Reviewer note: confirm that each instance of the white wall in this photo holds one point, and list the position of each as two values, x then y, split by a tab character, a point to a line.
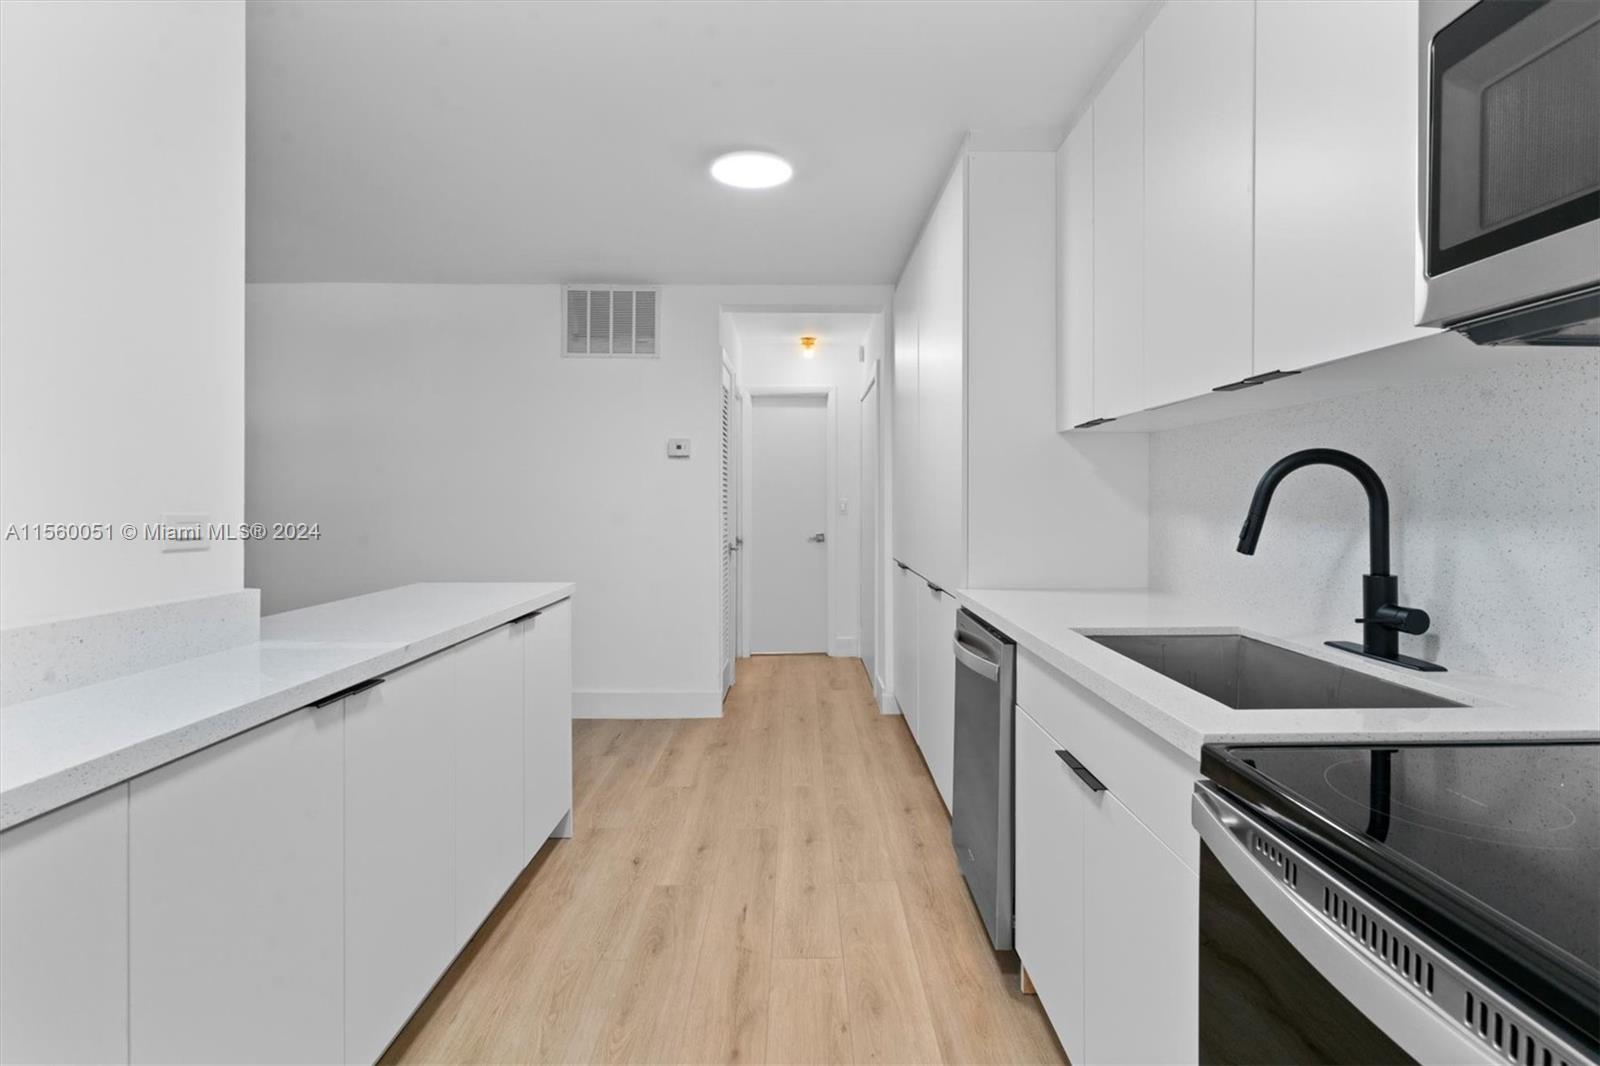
1494	485
436	433
837	364
121	296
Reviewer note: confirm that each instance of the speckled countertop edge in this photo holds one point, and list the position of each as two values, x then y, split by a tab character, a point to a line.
1052	626
56	783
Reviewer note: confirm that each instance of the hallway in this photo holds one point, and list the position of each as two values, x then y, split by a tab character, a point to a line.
774	885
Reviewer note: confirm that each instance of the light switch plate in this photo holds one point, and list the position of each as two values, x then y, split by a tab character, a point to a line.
183	533
677	447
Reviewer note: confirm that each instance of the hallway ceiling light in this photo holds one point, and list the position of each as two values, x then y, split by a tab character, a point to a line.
752	170
808	346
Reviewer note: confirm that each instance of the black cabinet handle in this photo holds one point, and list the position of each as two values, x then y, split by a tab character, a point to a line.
530	616
1094	783
371	682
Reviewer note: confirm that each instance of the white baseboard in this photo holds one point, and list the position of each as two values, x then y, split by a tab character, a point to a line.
845	647
887	704
647	705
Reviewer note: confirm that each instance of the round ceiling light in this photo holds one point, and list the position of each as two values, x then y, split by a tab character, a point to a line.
752	170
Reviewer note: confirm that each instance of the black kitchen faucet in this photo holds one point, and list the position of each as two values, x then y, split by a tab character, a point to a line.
1383	620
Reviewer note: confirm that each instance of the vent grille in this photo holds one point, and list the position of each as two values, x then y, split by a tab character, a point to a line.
610	320
1382	940
1508	1038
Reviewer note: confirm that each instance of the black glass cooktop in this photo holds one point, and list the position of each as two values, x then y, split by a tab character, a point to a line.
1495	848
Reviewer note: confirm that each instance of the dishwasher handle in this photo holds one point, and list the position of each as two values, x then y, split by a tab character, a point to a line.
987	669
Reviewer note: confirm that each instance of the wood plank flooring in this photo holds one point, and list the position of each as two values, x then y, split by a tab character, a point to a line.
776	885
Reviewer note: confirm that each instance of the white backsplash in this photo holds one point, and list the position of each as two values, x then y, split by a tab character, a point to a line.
1494	487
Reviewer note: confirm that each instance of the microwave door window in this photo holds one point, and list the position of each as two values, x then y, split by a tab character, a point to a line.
1515	127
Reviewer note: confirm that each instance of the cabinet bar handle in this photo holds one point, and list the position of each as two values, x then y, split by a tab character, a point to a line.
530	616
1094	783
371	682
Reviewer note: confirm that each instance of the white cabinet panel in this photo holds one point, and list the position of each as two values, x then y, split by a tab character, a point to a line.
547	722
236	909
940	500
1075	330
1335	210
903	445
399	851
1119	370
1049	880
64	934
936	686
908	588
1141	943
1198	164
485	714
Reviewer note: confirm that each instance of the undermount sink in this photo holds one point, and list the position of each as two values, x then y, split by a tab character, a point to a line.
1249	674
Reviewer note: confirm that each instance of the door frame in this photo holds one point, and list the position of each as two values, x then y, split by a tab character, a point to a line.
752	393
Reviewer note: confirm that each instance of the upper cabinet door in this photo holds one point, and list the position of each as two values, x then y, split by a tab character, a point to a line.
1336	148
1119	368
903	451
1075	331
1198	155
941	406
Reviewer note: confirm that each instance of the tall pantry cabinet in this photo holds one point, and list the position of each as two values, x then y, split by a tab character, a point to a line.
986	492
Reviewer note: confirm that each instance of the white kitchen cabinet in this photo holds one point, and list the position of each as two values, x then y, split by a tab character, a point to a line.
903	445
907	595
485	714
236	910
1119	285
399	889
1335	197
64	934
1075	329
1141	955
1049	880
1198	164
941	457
936	686
547	725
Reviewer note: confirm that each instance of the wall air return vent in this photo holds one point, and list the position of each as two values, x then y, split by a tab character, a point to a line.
602	321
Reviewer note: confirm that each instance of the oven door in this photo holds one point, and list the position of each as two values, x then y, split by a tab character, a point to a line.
1283	980
1509	174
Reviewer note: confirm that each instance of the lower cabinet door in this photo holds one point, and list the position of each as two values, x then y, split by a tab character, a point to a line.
936	686
399	891
907	587
64	934
1141	943
485	713
236	911
547	724
1049	828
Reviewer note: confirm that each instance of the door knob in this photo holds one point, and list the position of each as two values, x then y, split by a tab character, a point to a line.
817	538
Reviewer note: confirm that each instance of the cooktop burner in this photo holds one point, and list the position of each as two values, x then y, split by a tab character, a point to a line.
1515	827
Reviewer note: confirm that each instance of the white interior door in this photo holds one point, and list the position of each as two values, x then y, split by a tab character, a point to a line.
730	595
789	522
869	529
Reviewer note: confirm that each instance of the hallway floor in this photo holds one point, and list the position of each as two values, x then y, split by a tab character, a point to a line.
774	885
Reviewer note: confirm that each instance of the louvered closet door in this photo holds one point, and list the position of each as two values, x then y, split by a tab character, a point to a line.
727	532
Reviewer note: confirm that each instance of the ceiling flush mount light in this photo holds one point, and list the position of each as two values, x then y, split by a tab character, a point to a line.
752	170
808	346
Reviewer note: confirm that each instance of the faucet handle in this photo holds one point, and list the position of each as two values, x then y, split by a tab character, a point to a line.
1404	619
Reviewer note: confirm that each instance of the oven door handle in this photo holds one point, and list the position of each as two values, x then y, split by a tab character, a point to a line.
1419	1026
987	669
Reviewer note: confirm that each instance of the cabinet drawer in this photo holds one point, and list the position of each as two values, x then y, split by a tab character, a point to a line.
1150	777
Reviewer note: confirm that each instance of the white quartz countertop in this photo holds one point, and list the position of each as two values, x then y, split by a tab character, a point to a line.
61	748
1052	625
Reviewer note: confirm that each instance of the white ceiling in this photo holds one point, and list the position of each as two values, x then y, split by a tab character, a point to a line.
518	141
759	329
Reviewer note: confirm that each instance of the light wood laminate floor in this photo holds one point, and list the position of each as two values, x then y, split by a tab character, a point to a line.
775	885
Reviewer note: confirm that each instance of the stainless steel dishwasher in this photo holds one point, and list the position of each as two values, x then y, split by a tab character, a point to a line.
981	804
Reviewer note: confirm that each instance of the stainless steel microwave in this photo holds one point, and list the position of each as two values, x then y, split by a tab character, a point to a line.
1509	170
